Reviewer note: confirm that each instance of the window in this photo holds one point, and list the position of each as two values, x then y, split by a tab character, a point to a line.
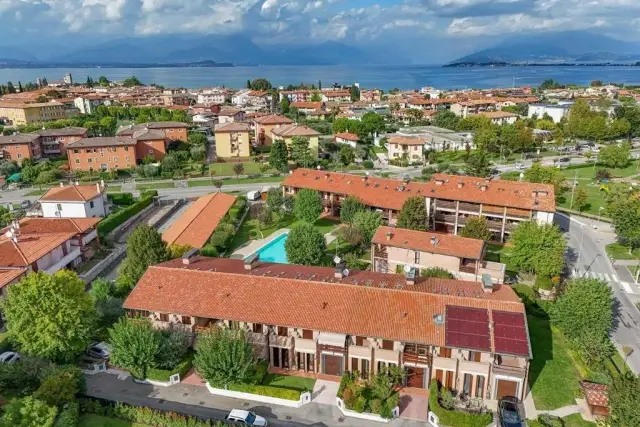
91	204
387	345
164	317
185	320
360	341
150	151
126	148
103	166
77	161
416	257
101	153
89	160
115	158
479	386
445	352
58	206
474	356
234	325
307	334
257	328
76	151
19	155
466	384
127	158
282	331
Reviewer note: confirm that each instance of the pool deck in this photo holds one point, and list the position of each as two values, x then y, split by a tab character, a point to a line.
253	245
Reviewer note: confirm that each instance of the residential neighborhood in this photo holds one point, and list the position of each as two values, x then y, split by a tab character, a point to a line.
333	255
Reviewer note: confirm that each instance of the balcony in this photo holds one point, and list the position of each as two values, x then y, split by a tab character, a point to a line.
468	268
495	225
518	213
73	254
450	219
441	204
326	202
445	363
305	345
469	207
380	253
278	341
362	351
480	368
509	366
387	355
416	358
170	326
256	338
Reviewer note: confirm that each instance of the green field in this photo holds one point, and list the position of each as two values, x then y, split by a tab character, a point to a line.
233	181
589	172
596	198
621	252
226	169
291	382
155	186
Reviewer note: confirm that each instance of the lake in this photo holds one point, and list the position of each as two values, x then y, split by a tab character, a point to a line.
369	76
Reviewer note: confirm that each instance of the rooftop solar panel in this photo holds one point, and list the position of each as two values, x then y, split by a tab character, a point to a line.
467	328
510	333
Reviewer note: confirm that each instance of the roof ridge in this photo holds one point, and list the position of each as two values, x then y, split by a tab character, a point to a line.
24	258
350	286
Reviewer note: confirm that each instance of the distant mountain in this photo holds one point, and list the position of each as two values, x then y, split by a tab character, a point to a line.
11	53
569	46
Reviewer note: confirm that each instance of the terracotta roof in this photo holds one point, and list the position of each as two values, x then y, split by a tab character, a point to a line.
102	141
294	130
8	275
259	93
348	136
228	112
68	131
165	125
403	140
445	244
72	193
596	394
234	127
304	297
253	114
197	224
392	193
273	119
307	105
21	138
497	114
30	248
56	225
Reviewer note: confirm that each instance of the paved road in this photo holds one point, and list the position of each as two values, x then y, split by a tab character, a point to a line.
197	401
594	262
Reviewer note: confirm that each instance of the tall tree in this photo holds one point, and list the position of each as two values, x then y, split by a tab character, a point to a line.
284	105
545	175
346	154
260	84
478	164
50	316
349	207
538	248
28	412
413	215
10	88
278	156
580	198
305	245
615	156
355	93
238	169
301	151
367	222
134	345
477	228
145	247
446	119
307	205
626	220
224	357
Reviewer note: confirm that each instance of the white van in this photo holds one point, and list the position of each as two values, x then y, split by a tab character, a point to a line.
253	195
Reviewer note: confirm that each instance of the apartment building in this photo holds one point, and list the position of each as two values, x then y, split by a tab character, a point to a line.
233	140
450	200
230	115
19	113
500	117
348	138
54	141
307	107
336	95
260	98
265	124
473	106
173	131
20	146
87	104
396	249
295	95
75	201
286	133
471	337
401	147
214	97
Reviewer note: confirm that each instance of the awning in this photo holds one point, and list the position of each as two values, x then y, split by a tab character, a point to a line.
328	338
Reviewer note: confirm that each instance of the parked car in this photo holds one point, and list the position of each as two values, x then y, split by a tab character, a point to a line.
9	357
246	418
99	350
25	204
509	413
520	165
253	196
595	150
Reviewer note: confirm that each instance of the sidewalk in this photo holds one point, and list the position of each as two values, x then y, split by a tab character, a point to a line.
197	401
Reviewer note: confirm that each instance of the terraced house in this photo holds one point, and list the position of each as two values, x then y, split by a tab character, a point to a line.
471	337
450	200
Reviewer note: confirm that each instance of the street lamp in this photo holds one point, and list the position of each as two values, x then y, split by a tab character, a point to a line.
599	212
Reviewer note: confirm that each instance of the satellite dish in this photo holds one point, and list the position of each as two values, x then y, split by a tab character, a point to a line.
407	268
345	272
337	259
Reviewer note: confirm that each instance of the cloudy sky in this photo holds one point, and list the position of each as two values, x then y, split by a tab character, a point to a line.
460	25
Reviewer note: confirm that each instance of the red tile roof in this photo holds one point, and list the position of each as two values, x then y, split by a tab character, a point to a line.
9	275
445	244
348	136
273	119
307	105
305	297
72	193
403	140
197	224
56	225
392	193
497	114
234	127
30	248
294	130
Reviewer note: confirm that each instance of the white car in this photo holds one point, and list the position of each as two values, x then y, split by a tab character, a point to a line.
99	350
246	417
595	150
9	357
520	165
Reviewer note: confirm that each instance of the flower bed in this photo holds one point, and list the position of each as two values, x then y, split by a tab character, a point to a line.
455	418
363	397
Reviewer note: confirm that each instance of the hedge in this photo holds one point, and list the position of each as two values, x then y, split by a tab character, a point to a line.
143	415
455	418
69	416
265	390
121	199
165	374
111	222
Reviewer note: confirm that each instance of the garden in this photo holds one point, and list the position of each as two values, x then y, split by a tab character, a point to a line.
221	240
447	408
124	207
376	395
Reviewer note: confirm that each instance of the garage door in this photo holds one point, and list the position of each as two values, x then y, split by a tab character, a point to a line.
415	377
332	364
507	388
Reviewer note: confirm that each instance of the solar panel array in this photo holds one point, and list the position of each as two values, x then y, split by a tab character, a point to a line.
467	328
510	333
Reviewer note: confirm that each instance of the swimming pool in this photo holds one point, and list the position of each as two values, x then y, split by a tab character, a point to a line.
274	250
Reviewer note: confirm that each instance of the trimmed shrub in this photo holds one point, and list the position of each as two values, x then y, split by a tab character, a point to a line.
265	390
368	164
165	374
361	402
455	418
210	251
438	272
111	222
544	283
550	420
121	199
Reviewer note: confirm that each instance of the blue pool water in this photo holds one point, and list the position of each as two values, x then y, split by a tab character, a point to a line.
274	250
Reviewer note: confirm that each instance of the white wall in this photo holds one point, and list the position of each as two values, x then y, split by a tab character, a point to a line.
75	209
556	113
544	217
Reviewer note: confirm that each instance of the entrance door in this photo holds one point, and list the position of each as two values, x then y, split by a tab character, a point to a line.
448	382
415	377
332	364
276	357
440	376
506	388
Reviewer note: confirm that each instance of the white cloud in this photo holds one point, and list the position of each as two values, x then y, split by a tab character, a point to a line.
507	24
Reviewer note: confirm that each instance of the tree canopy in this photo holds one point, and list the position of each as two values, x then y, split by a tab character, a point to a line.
224	357
300	151
305	245
413	215
614	156
145	247
367	222
50	316
307	205
476	228
478	164
626	220
279	156
134	345
349	207
623	400
538	248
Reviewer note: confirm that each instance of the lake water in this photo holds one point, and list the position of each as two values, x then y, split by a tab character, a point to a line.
383	77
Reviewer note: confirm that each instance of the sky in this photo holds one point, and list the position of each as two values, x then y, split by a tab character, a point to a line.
422	27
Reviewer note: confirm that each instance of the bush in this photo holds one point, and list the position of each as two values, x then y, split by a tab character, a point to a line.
550	420
265	390
111	222
210	251
386	411
367	164
360	404
375	405
544	283
61	387
438	272
182	368
599	377
455	418
261	370
121	199
69	417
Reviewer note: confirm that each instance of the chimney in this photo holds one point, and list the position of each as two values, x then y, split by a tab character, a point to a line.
439	181
251	261
340	270
487	283
98	187
483	187
434	240
189	256
460	184
410	276
389	235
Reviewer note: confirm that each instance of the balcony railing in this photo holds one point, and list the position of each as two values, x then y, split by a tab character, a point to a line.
380	253
495	225
468	268
441	204
415	358
256	338
73	254
469	207
278	341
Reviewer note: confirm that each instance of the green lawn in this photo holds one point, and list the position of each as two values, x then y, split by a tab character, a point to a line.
233	181
250	230
618	251
378	149
596	198
36	192
226	169
575	420
92	420
588	172
114	188
290	382
155	186
552	375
